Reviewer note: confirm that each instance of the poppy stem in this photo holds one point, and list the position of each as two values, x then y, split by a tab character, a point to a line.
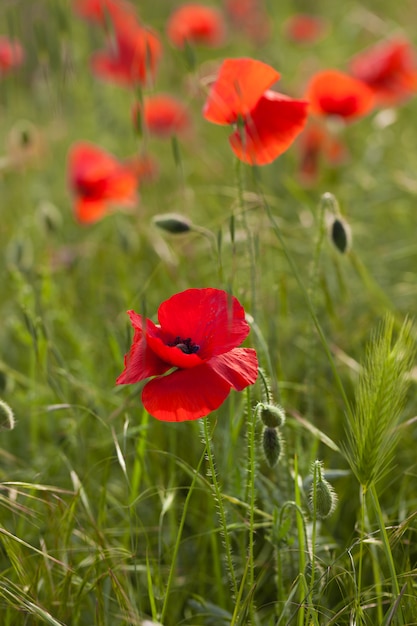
179	536
221	511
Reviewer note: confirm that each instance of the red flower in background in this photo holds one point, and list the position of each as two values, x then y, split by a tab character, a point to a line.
331	92
143	166
304	28
163	115
316	143
389	69
98	181
11	54
198	334
101	10
268	122
132	55
250	17
196	24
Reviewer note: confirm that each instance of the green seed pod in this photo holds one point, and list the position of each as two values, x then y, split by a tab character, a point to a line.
326	499
272	415
6	416
272	445
173	223
340	235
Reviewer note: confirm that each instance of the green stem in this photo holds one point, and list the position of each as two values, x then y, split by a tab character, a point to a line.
387	550
179	536
251	489
310	308
221	511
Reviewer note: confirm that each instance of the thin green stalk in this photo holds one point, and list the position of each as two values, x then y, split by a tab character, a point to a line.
179	536
252	415
302	546
221	511
310	308
387	550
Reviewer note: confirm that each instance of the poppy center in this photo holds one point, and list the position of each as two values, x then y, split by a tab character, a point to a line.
185	345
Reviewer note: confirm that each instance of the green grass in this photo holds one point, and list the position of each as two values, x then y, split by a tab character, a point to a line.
109	517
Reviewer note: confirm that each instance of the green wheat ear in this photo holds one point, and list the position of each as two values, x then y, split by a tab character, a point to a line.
371	434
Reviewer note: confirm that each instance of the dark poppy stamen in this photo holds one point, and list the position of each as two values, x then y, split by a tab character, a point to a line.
185	345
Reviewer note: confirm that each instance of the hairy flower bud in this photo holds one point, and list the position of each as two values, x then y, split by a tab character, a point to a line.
272	445
272	415
322	497
173	223
6	416
340	235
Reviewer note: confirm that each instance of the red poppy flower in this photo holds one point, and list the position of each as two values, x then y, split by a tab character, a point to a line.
163	115
389	69
11	54
132	55
268	122
315	143
98	180
331	92
143	166
305	28
196	24
101	10
250	18
198	336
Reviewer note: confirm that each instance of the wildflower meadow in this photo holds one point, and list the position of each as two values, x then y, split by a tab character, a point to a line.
208	411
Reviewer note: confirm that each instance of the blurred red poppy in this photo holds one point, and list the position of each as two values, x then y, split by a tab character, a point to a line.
331	92
249	16
101	10
196	24
304	28
389	69
99	181
267	122
11	54
143	166
132	55
198	336
316	143
163	115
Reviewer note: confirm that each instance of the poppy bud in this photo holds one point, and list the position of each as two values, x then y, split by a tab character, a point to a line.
50	218
323	498
173	223
6	416
340	235
272	415
272	445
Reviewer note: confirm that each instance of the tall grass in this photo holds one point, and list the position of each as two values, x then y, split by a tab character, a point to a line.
109	517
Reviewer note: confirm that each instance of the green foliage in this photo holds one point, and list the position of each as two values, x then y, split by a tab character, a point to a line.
372	425
108	517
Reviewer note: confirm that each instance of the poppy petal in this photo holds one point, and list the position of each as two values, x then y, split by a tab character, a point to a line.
211	318
239	85
163	115
133	56
239	367
185	394
331	92
389	68
171	350
195	23
140	362
270	129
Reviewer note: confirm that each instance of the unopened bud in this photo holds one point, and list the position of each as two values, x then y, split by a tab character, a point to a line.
272	445
272	415
326	499
6	416
173	223
340	235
